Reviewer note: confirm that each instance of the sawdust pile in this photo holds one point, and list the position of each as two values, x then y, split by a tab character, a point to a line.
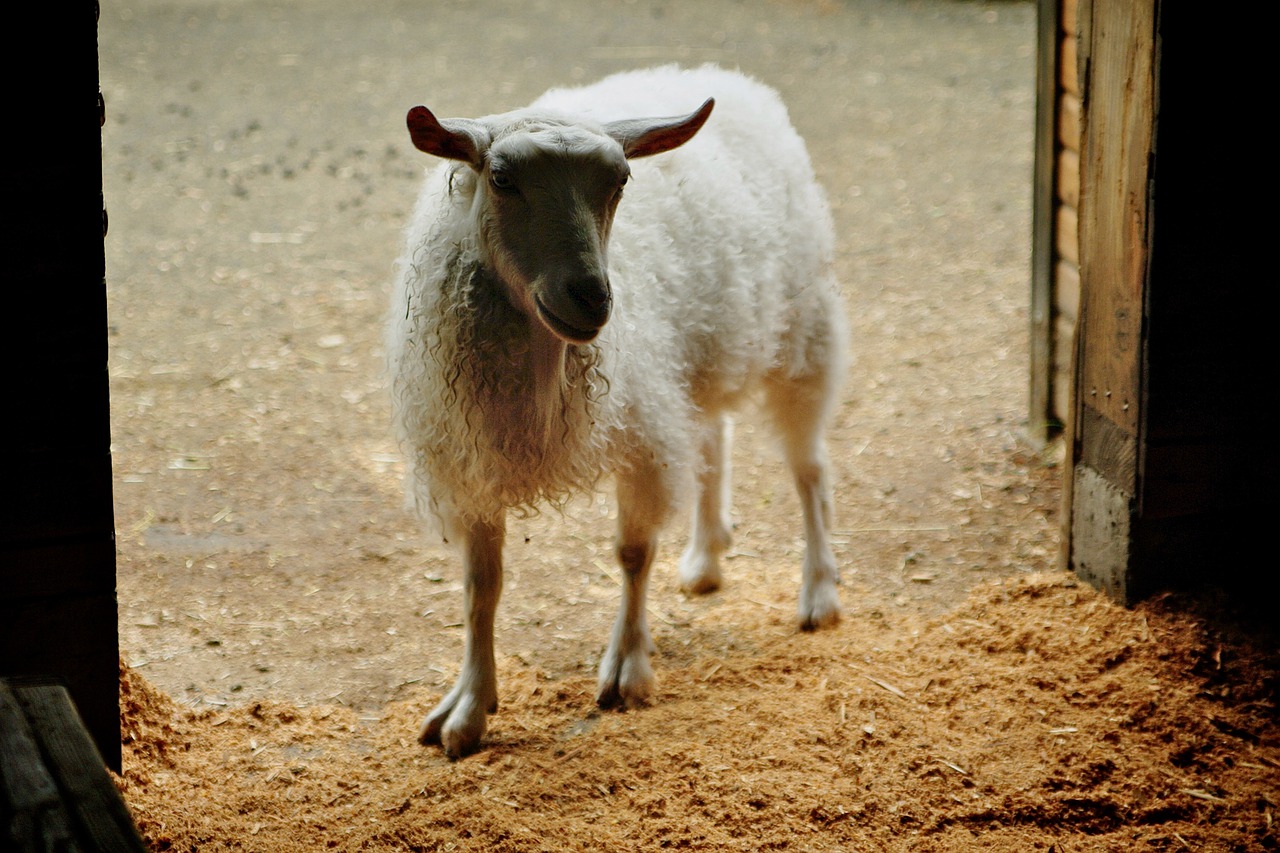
1036	716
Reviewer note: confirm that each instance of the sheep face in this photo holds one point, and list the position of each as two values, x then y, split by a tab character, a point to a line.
547	188
544	205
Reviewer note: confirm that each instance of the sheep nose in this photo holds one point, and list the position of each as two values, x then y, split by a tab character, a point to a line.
592	297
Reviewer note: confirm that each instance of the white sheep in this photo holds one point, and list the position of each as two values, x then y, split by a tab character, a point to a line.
543	335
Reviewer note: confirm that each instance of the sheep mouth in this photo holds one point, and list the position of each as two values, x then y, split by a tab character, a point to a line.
561	329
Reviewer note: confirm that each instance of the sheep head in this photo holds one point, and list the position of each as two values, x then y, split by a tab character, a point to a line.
547	188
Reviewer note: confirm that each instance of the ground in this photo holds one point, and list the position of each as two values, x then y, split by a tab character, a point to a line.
285	622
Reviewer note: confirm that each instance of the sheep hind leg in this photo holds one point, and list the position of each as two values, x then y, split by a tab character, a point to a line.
710	536
626	677
800	409
458	723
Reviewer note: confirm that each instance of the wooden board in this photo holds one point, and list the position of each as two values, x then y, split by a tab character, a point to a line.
1118	125
1043	422
55	792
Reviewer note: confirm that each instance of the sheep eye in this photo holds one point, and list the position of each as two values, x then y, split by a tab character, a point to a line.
501	181
622	182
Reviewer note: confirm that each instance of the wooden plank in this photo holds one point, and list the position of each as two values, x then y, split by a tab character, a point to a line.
1068	17
1066	242
1118	123
1063	383
1107	448
1064	328
1100	533
1040	397
1069	178
1069	121
1068	293
1067	542
1068	69
77	768
37	819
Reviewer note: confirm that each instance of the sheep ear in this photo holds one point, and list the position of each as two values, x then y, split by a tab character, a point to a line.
454	138
642	137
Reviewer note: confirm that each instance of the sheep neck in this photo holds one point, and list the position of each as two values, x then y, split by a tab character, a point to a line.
534	389
512	417
547	363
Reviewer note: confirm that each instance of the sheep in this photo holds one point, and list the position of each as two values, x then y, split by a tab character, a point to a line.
545	333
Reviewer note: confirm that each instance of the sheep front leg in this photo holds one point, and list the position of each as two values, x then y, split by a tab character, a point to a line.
626	678
459	721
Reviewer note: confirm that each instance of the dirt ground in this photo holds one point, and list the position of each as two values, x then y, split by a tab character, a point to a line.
285	622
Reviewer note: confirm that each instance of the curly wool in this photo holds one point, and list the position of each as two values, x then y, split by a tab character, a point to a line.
466	418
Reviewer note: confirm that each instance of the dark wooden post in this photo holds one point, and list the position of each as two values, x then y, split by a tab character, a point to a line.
57	545
1168	463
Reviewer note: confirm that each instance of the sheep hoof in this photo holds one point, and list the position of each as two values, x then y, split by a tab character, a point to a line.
628	684
699	573
457	724
819	607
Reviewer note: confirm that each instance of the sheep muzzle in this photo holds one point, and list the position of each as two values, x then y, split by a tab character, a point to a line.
577	310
